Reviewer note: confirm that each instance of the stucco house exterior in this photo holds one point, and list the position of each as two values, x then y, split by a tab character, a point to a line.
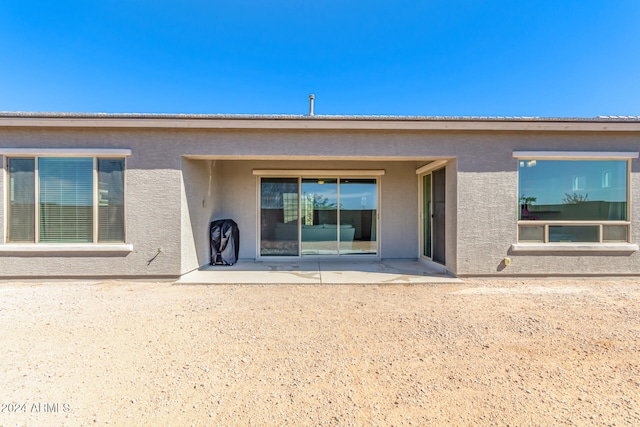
132	195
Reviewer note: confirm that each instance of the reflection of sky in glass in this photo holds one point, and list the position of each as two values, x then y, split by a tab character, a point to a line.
329	190
549	181
356	196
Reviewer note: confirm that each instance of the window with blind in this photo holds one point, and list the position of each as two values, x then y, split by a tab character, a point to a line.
66	200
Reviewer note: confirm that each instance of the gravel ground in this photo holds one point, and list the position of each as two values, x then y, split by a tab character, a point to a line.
486	352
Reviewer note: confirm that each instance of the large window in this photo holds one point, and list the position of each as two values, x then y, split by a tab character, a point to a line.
65	200
578	200
318	215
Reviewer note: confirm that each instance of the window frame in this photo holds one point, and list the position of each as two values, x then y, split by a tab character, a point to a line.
300	174
545	244
36	154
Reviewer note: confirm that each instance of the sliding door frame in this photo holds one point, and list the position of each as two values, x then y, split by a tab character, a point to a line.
318	174
430	169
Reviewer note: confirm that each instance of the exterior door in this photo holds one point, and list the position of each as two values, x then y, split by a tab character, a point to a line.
433	215
309	216
319	214
438	215
426	216
279	217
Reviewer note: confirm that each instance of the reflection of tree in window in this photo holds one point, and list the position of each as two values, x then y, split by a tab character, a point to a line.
575	191
575	198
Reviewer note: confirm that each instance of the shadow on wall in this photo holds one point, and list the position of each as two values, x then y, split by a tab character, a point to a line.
201	192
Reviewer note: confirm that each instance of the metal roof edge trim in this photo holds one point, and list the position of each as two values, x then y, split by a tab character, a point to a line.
230	121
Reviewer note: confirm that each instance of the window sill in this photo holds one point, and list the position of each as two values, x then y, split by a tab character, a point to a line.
65	248
575	247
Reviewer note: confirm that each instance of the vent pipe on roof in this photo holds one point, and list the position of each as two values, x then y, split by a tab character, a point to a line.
311	98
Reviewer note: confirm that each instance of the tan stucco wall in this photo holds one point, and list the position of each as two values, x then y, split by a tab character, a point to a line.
152	217
237	199
451	216
170	199
201	195
488	204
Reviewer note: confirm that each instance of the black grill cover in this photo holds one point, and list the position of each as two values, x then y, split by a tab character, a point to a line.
225	242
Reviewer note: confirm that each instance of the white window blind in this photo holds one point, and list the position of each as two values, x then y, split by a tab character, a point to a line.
21	200
65	199
56	199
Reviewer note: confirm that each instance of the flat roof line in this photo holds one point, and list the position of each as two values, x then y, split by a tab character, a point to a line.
319	122
77	115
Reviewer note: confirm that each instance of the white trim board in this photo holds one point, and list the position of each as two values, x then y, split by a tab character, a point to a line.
65	247
317	172
437	164
66	152
575	155
574	247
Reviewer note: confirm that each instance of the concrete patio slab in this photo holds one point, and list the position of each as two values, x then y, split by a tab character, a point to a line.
319	272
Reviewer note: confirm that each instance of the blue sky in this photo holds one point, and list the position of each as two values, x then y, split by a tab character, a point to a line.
550	58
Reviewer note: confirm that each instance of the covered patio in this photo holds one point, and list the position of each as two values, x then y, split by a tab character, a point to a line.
320	272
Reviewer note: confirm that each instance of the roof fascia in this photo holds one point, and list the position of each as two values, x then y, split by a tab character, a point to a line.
312	124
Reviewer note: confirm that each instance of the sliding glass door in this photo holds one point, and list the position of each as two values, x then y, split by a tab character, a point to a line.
433	215
427	213
279	217
318	216
358	216
319	206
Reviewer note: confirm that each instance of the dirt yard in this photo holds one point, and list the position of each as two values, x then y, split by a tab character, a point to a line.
486	352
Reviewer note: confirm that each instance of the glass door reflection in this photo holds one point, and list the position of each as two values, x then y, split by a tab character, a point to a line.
319	216
358	216
279	217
